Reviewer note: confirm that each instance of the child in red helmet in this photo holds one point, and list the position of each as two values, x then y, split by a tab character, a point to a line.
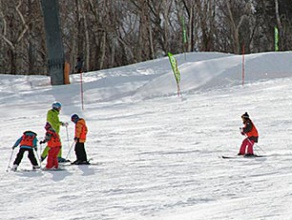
249	130
54	144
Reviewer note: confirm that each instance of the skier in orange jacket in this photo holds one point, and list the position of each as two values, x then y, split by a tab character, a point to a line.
80	138
249	130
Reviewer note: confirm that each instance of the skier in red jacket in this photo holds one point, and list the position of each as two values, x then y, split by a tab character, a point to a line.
249	130
54	144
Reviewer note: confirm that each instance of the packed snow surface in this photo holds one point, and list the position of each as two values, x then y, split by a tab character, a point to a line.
158	153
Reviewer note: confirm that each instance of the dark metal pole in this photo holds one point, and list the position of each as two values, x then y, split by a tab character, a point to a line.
54	41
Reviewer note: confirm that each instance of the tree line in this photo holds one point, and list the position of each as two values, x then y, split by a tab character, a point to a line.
112	33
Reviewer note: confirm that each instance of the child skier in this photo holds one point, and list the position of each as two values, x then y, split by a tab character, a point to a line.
80	138
54	144
249	130
27	142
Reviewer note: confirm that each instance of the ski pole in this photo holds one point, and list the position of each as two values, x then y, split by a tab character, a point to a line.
40	162
10	160
67	136
70	150
260	148
254	143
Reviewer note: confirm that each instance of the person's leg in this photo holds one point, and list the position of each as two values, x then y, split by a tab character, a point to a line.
60	153
50	159
56	151
78	151
82	152
45	153
32	158
19	156
243	146
250	146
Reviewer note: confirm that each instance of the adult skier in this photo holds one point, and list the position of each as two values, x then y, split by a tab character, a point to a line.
250	132
53	119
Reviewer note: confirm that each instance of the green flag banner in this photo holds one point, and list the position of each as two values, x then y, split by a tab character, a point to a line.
175	70
184	31
276	39
174	67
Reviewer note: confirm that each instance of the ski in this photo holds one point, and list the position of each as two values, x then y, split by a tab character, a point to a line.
85	164
90	164
25	170
241	156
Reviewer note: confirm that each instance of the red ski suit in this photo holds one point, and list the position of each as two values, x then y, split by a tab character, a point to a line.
251	132
54	144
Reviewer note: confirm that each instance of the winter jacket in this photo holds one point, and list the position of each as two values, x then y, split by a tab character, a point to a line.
52	138
28	140
80	130
53	119
250	130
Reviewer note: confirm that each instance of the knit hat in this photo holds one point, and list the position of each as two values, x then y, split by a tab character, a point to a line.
245	115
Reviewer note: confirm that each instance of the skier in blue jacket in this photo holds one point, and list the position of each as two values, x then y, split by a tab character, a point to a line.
27	142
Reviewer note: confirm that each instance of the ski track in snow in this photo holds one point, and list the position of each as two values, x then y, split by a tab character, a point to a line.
159	157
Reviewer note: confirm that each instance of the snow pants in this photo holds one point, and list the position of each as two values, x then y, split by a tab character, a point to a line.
46	151
53	158
80	152
31	156
246	143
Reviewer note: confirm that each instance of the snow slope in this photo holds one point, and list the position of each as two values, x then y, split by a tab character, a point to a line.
158	153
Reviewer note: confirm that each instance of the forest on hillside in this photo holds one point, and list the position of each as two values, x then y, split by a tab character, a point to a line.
111	33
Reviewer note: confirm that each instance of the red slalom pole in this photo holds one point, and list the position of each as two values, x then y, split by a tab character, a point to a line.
81	88
243	64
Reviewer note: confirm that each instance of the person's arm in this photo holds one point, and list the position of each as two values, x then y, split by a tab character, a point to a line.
247	128
17	143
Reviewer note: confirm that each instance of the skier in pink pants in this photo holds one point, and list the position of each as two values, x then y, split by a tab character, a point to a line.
249	130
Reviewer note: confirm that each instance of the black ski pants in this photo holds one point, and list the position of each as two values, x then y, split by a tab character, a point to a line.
31	156
80	152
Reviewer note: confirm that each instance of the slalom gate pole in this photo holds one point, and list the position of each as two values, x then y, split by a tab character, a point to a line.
70	150
9	160
81	91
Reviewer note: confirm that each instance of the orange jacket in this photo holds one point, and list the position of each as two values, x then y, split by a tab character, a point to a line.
250	130
27	140
81	130
53	139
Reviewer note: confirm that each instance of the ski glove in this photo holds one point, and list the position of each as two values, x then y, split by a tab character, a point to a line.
13	147
76	139
65	124
241	131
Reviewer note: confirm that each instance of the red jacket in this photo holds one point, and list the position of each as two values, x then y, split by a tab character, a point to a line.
250	130
53	139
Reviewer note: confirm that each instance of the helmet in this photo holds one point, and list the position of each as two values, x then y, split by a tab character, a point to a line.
74	118
56	105
48	126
